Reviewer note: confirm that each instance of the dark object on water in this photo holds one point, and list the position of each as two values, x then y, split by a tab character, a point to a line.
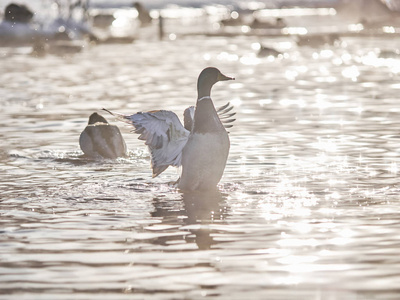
394	54
317	40
267	51
116	40
257	24
17	13
103	20
235	19
144	15
160	27
102	140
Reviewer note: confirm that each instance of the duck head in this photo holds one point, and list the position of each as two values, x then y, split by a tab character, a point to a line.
96	118
207	78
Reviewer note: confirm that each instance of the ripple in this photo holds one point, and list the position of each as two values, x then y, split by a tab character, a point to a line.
307	208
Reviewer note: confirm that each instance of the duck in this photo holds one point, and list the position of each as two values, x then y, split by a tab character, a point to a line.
17	28
200	146
17	13
101	140
265	51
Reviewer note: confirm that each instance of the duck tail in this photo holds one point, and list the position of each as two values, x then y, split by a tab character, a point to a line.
120	117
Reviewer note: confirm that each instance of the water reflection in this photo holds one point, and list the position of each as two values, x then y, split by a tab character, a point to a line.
194	208
204	206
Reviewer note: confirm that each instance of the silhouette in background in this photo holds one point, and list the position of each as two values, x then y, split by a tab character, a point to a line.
268	51
17	13
160	27
144	16
257	24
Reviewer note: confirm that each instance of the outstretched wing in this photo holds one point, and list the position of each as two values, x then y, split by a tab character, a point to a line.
163	133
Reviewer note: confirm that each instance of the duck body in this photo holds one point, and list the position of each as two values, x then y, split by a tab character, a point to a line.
101	140
206	151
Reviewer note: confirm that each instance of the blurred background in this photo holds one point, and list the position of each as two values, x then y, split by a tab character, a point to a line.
122	21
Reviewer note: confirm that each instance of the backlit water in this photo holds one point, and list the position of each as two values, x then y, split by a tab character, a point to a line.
308	206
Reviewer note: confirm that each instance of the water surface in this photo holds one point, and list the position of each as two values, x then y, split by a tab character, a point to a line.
307	208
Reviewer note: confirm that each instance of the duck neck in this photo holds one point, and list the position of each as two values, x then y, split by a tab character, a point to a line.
203	88
206	119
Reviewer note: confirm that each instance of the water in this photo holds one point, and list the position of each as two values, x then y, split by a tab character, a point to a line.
308	205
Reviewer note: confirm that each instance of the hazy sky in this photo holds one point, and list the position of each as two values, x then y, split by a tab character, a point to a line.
39	4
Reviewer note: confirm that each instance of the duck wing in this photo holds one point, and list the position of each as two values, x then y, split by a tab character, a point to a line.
188	117
223	114
162	132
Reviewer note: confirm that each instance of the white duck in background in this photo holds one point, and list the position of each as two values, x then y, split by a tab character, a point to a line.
201	146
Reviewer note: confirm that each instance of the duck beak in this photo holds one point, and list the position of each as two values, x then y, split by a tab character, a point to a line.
222	77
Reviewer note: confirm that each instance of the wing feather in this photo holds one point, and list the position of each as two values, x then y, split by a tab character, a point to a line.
224	115
163	133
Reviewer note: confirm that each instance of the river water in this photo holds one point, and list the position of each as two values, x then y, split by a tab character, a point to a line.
308	205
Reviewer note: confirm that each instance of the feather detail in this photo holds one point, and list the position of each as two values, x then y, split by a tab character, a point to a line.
120	117
162	132
224	115
225	108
